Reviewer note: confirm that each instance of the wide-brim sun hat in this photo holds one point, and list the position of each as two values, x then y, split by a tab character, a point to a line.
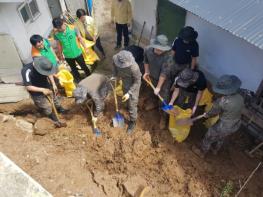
161	43
227	85
188	34
124	59
44	66
186	78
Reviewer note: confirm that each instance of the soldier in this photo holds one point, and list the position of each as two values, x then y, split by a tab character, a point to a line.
96	86
128	70
229	108
157	65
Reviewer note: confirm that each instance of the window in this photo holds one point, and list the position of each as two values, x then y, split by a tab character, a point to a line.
29	11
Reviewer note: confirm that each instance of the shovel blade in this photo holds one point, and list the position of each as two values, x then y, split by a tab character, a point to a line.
118	121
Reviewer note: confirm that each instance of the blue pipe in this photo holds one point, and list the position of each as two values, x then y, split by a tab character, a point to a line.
89	5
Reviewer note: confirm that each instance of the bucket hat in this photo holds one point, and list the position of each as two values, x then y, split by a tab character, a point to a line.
227	84
44	66
124	59
188	33
187	77
161	43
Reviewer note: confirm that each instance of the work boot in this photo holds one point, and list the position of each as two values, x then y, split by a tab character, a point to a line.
162	123
57	123
131	126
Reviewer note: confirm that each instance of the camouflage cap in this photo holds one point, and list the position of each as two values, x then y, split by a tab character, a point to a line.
124	59
227	84
187	77
161	43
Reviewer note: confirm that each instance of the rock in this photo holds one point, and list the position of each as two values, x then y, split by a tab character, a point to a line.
108	184
5	118
43	126
133	184
24	125
30	118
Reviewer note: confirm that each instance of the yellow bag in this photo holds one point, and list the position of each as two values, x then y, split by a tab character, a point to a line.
179	132
210	121
66	81
206	98
91	57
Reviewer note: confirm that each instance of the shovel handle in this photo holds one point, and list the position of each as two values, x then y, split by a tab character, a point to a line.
115	94
53	106
152	86
91	113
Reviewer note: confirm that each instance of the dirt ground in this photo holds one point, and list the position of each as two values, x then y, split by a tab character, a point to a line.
73	162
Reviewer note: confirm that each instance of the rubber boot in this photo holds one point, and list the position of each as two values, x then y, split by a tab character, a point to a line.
131	126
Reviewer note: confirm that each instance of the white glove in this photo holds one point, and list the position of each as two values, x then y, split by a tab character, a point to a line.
156	91
113	78
94	119
194	109
125	97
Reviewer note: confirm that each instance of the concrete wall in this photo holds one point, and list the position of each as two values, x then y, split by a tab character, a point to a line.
224	53
144	10
21	32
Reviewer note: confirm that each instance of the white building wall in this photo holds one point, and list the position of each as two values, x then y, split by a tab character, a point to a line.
144	10
223	53
21	32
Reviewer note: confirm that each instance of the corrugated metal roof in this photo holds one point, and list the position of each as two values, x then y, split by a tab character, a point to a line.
242	18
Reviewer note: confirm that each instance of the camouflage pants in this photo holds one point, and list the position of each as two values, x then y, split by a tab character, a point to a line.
133	107
43	104
217	133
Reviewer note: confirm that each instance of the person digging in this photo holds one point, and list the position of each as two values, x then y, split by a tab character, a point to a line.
39	82
229	107
95	87
128	71
158	61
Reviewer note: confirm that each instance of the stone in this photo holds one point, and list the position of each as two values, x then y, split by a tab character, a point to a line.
43	126
5	118
24	125
133	184
30	118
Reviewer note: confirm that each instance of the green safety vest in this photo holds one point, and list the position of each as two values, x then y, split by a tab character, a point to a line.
68	40
48	53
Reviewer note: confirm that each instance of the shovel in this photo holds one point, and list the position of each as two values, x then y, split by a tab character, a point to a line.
118	119
165	106
188	121
95	129
59	124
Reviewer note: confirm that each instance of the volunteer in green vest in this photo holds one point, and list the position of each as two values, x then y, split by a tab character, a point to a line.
42	47
68	39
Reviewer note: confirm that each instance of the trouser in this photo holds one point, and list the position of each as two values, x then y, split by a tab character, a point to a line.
122	29
217	133
43	104
81	62
99	46
133	108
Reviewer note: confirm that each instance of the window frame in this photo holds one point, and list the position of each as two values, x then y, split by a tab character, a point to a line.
26	5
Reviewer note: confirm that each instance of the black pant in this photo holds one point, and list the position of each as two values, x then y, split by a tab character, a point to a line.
99	46
122	29
81	62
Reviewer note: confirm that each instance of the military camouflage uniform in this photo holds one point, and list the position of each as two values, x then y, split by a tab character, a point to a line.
96	86
229	110
44	105
131	79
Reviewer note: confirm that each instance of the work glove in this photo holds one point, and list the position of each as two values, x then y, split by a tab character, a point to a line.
156	91
94	119
125	97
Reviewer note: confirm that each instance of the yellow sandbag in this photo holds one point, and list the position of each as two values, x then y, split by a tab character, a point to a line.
210	121
118	89
66	81
179	132
206	98
90	57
